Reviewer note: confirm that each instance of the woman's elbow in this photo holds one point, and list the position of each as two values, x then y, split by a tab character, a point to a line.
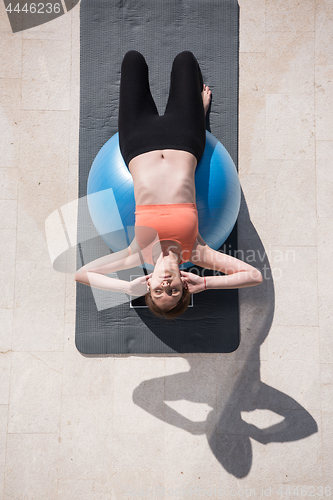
256	276
80	276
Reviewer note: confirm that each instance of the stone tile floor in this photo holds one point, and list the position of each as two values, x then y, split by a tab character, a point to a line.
77	427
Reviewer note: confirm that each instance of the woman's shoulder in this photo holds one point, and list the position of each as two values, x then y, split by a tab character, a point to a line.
198	249
134	246
205	256
199	243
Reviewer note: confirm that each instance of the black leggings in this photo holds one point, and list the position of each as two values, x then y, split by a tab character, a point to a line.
183	125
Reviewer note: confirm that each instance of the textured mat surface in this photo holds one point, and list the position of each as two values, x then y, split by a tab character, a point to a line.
106	322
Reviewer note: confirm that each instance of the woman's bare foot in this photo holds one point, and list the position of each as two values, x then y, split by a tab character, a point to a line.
206	97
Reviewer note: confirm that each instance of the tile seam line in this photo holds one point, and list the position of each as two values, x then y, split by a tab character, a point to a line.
32	433
15	269
62	390
317	254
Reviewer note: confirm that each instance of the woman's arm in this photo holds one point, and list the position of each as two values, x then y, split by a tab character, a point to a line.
238	273
93	274
102	282
137	287
239	279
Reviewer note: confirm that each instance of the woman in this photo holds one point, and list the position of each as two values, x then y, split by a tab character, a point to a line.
162	153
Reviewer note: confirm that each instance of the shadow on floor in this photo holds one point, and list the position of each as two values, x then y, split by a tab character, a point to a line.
239	387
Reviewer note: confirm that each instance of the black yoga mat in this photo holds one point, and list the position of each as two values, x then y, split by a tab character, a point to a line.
106	322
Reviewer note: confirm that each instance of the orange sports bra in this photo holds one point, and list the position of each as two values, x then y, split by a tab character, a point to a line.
176	222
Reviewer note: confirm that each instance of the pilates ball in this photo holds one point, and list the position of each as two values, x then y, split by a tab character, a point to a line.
111	200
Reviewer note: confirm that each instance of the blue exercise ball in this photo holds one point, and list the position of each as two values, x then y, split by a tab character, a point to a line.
111	200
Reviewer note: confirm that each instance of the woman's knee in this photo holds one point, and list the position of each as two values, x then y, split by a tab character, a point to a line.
184	57
186	61
186	53
133	57
185	66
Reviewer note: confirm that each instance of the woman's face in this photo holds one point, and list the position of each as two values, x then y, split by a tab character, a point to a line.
166	285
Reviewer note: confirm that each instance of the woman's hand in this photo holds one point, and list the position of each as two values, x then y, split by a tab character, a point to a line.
139	286
194	282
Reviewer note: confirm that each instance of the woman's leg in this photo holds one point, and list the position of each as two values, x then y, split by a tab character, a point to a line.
186	85
185	107
135	100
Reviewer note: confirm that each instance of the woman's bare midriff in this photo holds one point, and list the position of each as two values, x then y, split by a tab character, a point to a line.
163	176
